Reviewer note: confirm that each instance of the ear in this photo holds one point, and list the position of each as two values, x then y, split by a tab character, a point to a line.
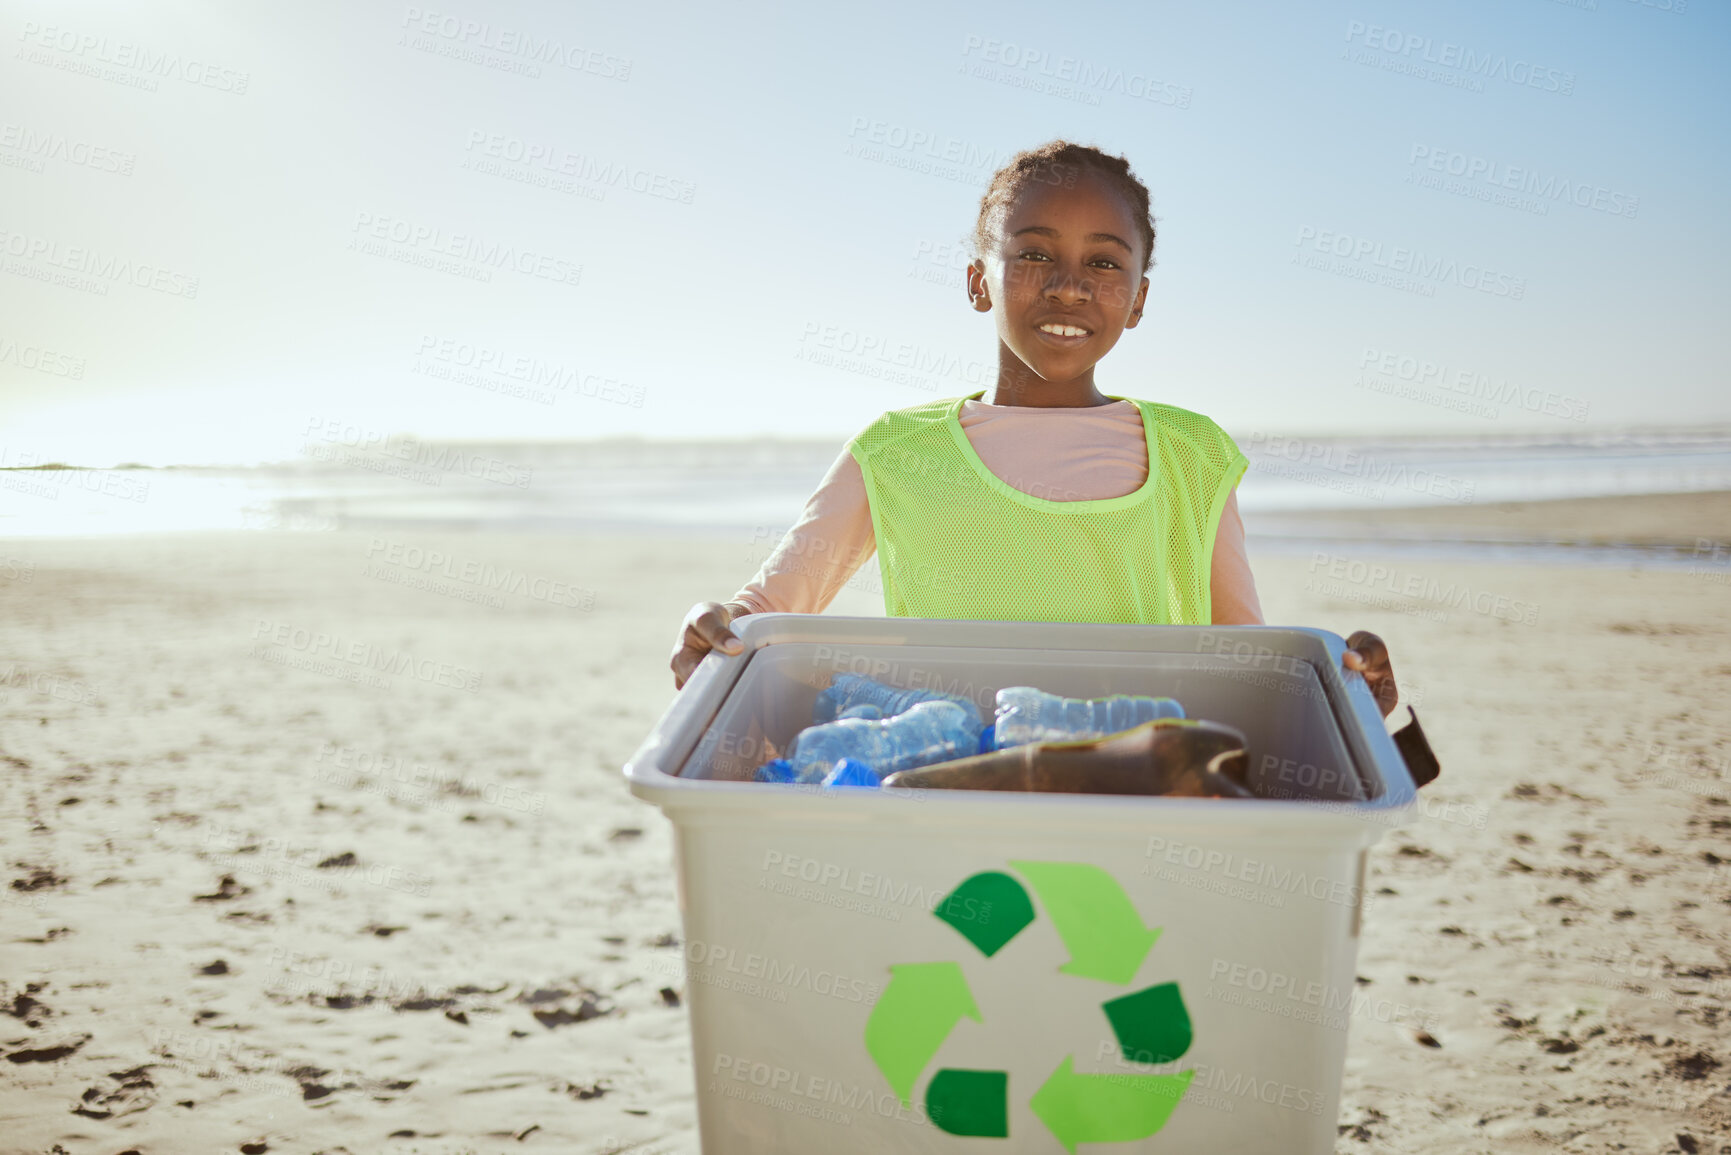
1136	306
978	295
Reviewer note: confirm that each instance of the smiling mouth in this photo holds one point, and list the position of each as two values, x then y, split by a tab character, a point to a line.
1064	331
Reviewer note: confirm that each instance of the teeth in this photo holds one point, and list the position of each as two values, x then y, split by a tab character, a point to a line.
1063	330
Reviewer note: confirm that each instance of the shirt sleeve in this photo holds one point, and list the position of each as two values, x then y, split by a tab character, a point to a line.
1231	586
823	550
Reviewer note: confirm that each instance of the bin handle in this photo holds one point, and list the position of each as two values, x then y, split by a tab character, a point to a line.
1363	705
701	696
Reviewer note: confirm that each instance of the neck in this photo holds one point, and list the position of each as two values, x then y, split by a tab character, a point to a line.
1019	385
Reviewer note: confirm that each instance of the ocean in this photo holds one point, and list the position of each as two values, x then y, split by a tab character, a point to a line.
724	489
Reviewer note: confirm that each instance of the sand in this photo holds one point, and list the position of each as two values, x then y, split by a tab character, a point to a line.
253	906
1690	523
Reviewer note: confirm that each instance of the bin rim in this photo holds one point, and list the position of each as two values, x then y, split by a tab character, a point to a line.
696	704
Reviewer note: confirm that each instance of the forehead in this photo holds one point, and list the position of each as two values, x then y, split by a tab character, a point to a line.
1089	203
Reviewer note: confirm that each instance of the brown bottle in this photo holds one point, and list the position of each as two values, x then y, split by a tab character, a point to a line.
1172	756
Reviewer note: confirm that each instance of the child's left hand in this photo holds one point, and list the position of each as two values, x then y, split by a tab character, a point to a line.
1367	655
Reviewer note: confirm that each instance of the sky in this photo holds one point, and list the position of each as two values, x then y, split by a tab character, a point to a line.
224	228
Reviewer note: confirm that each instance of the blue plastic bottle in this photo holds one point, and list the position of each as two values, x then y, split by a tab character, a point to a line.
927	732
776	770
849	772
1026	714
846	693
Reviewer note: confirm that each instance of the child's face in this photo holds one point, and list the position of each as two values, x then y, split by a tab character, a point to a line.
1068	259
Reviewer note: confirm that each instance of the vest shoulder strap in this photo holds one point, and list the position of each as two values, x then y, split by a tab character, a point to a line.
1200	434
897	424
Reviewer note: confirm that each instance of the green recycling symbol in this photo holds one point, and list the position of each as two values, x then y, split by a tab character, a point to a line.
1106	939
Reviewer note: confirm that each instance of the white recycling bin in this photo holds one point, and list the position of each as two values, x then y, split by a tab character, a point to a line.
967	971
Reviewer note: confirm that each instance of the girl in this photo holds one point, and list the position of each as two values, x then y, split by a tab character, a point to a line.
1046	500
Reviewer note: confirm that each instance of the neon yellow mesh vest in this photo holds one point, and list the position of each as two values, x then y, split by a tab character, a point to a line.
955	541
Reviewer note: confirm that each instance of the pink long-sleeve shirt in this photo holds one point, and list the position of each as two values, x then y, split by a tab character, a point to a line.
1059	454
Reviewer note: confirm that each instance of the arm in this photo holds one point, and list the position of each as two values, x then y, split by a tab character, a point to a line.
1231	586
1369	656
813	561
824	549
1232	590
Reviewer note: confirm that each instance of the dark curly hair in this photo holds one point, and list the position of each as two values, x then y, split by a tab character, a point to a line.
1059	162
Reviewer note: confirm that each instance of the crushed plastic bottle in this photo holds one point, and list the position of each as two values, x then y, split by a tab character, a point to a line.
846	693
776	770
927	732
1026	714
851	772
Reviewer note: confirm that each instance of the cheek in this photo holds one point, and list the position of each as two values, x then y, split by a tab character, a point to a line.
1023	281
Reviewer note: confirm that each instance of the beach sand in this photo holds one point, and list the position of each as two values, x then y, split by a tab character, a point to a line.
1687	522
251	905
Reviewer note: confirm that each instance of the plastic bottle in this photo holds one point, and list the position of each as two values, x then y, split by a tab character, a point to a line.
926	732
849	772
776	770
846	693
1026	714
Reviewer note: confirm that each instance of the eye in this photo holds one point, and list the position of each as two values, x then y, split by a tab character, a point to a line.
1033	255
1108	262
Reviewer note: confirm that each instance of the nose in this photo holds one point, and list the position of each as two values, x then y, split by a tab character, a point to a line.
1068	288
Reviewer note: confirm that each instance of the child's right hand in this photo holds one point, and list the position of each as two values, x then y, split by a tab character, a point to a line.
705	628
